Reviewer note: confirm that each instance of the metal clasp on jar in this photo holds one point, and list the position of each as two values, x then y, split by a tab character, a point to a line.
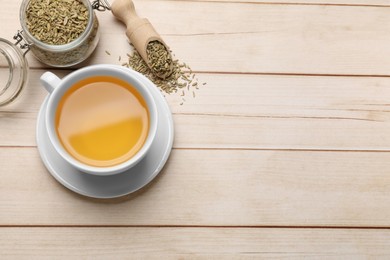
23	44
101	5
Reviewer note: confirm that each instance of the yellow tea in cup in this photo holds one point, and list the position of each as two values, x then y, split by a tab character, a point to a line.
102	121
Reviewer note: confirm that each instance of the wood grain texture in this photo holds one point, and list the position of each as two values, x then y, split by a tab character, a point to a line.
192	243
213	188
373	3
275	38
367	3
283	154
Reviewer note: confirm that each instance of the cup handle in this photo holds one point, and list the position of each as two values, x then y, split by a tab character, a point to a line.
50	81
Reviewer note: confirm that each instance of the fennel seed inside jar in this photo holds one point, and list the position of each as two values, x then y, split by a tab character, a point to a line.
62	33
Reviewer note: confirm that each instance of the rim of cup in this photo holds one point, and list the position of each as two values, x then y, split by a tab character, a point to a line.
86	72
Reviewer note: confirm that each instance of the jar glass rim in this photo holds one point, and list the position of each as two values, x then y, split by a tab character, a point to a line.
51	47
18	70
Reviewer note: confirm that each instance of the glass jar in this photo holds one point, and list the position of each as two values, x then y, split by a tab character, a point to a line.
63	55
14	66
13	71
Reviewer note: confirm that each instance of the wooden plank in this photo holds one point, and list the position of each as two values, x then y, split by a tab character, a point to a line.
252	111
276	38
213	188
373	3
192	243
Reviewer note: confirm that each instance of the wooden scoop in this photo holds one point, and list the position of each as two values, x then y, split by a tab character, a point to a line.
139	30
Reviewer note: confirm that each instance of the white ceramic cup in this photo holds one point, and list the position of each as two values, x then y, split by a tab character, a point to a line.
57	88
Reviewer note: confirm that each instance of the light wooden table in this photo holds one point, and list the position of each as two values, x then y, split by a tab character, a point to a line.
284	153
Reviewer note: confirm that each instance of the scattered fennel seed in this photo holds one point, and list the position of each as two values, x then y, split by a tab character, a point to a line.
181	78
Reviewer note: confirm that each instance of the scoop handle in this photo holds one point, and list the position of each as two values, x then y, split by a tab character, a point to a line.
138	30
124	10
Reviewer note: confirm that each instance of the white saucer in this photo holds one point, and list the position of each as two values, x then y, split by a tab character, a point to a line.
119	184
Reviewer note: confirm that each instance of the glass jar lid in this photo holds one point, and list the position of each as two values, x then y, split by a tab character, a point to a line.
13	71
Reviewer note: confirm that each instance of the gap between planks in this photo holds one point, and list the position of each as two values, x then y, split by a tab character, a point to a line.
202	226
